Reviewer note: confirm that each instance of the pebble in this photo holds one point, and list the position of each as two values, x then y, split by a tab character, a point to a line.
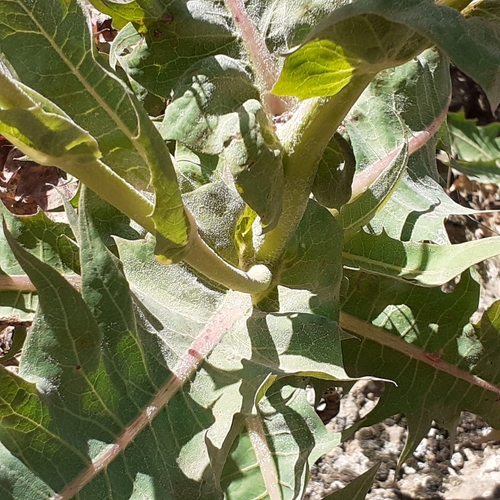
457	460
428	473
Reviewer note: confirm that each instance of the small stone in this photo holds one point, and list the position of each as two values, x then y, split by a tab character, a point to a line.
457	460
337	485
432	432
421	450
409	470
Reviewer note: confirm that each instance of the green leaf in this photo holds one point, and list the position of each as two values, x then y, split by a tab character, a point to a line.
312	265
321	68
335	52
50	137
48	240
432	353
52	241
69	76
332	184
291	436
66	41
422	263
215	112
144	374
416	93
486	11
41	129
136	11
283	24
386	33
157	53
193	169
361	210
254	156
202	114
217	210
476	149
109	221
357	488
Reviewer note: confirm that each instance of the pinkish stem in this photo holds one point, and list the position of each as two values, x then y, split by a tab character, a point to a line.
265	69
366	178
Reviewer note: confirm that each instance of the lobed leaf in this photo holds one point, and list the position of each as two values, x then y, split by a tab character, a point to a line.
431	353
421	263
416	93
357	488
217	210
285	414
139	363
285	23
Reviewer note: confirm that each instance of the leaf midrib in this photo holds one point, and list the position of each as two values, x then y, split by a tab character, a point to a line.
111	112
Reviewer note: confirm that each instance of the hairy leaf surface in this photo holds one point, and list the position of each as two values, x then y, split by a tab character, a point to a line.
426	344
393	34
117	384
416	93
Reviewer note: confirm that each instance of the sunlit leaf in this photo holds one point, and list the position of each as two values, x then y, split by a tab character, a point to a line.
155	53
422	263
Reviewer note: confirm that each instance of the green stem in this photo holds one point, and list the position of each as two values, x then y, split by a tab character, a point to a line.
97	176
112	188
205	260
305	138
454	4
115	190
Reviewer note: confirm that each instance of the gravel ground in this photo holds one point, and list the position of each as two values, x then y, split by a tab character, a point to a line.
469	471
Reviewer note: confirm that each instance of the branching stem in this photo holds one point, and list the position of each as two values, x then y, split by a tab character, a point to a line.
305	138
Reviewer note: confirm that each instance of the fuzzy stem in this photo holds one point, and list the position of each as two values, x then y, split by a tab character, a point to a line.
455	4
115	190
304	140
200	256
204	259
265	68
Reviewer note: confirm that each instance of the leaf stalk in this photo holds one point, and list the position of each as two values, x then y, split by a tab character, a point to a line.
305	138
264	66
